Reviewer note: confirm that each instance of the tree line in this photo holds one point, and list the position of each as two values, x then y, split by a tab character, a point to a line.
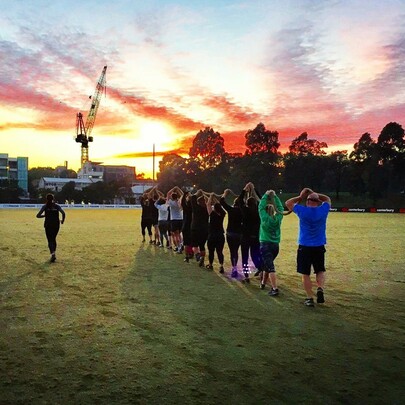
374	167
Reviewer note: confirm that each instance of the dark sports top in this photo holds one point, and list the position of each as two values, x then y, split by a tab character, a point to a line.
250	219
154	210
147	208
234	217
187	213
199	221
51	214
216	223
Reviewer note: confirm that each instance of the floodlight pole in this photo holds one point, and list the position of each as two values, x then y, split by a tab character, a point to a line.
153	158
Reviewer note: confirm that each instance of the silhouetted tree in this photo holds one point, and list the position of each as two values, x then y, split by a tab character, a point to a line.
9	191
172	172
305	165
261	140
391	148
302	146
208	148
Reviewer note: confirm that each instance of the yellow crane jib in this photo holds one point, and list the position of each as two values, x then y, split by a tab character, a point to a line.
83	131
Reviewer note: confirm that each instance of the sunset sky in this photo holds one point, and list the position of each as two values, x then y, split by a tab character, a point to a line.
334	69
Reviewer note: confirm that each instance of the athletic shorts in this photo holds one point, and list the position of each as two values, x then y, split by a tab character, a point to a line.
176	225
198	238
269	251
308	256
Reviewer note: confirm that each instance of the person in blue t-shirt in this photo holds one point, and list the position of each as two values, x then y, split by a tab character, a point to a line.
311	240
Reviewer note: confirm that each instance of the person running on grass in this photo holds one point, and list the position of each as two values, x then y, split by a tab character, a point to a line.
50	211
233	229
311	240
216	238
271	215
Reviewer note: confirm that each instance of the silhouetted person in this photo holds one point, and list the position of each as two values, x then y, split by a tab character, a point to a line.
50	211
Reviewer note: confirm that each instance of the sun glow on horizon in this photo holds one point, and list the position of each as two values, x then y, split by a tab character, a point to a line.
154	133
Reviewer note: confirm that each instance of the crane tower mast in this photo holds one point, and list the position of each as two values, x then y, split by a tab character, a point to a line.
83	131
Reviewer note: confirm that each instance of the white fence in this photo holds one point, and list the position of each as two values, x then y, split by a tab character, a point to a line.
73	206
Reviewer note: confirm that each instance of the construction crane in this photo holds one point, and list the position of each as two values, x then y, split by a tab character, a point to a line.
83	131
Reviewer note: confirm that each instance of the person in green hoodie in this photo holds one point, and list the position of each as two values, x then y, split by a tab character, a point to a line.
271	215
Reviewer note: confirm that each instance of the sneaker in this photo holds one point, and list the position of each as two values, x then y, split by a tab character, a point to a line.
186	259
320	298
176	249
234	273
273	292
201	261
262	286
309	302
209	267
53	258
221	270
258	272
197	257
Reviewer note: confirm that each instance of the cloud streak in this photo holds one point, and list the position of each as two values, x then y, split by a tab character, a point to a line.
193	66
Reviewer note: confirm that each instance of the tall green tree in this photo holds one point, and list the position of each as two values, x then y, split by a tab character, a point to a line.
262	161
173	172
207	148
391	148
305	164
261	140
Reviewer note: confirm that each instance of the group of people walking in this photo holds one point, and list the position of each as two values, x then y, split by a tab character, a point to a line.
186	222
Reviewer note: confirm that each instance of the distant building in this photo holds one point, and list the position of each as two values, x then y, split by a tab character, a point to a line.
56	183
91	171
99	172
140	187
14	169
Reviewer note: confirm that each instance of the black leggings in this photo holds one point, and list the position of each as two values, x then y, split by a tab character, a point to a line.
51	233
216	243
146	224
233	240
251	243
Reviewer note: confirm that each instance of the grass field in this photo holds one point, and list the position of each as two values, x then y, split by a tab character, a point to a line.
115	321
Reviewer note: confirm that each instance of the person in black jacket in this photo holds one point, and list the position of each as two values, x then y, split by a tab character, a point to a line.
146	217
199	226
186	228
233	230
50	211
216	238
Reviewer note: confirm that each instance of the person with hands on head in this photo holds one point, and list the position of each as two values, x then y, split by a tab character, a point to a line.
176	217
233	229
199	226
311	240
50	211
271	216
216	238
250	230
146	216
